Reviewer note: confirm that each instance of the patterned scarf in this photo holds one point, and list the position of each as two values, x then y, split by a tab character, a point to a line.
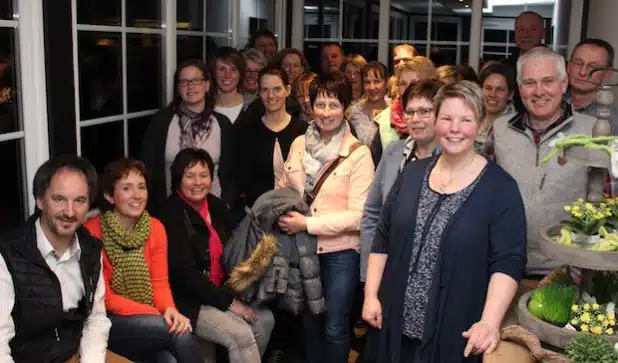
318	152
397	121
194	130
130	275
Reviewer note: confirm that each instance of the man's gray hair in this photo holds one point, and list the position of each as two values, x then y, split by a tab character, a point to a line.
541	53
256	56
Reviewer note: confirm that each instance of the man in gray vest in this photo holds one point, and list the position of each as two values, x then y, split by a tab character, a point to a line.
524	139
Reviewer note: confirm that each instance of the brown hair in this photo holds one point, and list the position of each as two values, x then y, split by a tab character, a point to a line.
378	68
287	51
356	60
274	70
448	71
333	84
423	89
116	170
422	66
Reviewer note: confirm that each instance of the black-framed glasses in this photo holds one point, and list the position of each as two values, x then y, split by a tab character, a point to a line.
194	82
421	112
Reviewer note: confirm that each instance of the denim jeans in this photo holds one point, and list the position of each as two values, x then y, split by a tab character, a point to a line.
327	336
146	338
245	343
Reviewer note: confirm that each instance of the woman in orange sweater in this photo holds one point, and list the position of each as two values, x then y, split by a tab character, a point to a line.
146	326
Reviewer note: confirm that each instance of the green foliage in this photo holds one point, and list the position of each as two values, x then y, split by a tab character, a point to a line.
603	285
588	348
552	303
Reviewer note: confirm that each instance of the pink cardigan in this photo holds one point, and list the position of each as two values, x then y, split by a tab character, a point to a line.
337	209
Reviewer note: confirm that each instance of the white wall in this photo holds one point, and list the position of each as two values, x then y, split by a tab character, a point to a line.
602	24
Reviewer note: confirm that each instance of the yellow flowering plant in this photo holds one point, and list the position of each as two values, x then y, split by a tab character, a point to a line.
593	318
586	218
612	205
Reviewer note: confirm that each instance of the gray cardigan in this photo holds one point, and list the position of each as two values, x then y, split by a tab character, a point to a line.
545	189
385	176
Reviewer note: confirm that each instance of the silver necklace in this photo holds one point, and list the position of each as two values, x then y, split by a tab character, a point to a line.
442	187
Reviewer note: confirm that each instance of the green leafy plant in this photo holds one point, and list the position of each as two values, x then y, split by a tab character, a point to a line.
552	303
586	218
612	205
597	143
588	348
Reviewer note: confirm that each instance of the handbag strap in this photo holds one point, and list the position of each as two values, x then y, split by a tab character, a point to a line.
310	197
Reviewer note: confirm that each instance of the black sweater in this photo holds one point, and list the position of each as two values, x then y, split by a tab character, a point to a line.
188	254
153	156
256	144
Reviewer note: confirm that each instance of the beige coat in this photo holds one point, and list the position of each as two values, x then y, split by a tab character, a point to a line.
337	209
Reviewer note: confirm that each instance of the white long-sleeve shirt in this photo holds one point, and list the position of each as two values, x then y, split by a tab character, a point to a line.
93	344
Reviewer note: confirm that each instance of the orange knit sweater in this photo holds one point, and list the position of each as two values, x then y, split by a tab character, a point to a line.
155	254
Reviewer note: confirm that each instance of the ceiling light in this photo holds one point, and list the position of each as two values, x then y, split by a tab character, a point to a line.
467	5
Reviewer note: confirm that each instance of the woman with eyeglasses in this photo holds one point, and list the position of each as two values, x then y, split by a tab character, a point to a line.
190	121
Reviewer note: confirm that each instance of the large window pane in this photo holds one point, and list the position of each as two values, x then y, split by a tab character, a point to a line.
100	74
255	15
12	206
9	121
190	14
143	72
361	19
7	10
189	47
218	16
102	144
99	12
137	128
144	13
322	21
312	53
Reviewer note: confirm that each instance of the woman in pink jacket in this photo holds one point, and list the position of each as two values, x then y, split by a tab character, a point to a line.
332	170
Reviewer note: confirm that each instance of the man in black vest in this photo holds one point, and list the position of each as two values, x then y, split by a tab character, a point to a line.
52	306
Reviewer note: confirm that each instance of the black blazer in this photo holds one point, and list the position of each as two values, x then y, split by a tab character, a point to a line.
153	156
486	235
188	254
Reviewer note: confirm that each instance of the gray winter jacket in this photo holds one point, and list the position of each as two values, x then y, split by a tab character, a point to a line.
268	264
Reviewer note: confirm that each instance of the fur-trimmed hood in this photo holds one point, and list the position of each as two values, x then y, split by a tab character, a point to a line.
265	263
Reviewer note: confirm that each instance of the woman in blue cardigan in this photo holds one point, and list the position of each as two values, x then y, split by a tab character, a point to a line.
451	243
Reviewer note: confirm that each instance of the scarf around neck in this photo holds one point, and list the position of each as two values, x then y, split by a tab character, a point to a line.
318	152
194	128
397	121
130	273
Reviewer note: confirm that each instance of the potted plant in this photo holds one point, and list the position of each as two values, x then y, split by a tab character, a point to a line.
584	221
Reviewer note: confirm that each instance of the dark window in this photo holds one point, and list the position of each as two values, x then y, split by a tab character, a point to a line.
190	14
6	10
99	12
144	72
189	47
12	206
9	122
143	13
218	16
137	128
100	74
102	144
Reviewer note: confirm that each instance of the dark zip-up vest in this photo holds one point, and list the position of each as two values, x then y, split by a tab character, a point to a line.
44	332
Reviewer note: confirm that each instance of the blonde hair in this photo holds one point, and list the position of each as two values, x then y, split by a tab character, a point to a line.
447	71
422	66
392	88
356	60
405	47
467	91
304	80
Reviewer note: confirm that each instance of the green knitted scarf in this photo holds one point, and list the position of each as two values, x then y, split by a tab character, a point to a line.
130	275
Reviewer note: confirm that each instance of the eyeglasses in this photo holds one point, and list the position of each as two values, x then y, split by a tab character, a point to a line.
186	82
421	112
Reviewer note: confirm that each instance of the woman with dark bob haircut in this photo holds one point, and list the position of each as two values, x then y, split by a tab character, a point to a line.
332	171
189	121
145	322
198	224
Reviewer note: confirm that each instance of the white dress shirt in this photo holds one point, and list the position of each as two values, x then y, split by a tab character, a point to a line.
93	344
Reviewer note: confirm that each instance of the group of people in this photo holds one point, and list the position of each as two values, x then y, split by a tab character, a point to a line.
426	189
